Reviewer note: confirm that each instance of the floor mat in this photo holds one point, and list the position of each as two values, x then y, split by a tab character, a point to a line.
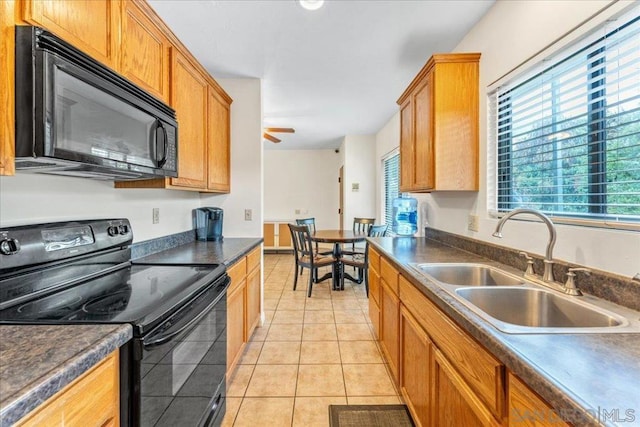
369	416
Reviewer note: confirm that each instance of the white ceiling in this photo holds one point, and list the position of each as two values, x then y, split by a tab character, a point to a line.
327	73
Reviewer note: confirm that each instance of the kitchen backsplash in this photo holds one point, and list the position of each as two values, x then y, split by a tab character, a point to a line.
612	287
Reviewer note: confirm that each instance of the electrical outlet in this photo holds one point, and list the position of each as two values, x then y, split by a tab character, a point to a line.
297	211
247	214
156	215
473	223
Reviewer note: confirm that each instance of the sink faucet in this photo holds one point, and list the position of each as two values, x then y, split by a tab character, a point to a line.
548	260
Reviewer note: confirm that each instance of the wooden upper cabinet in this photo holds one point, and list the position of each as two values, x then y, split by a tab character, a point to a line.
439	126
145	51
93	26
189	98
218	142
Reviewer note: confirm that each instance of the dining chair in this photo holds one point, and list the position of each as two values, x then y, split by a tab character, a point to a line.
360	261
360	225
305	256
311	223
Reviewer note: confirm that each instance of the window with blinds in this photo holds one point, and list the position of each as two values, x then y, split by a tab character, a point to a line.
391	172
568	137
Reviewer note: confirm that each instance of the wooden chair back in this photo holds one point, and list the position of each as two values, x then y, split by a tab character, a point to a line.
302	244
377	230
362	225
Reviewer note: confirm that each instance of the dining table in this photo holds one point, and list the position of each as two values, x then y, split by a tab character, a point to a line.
338	238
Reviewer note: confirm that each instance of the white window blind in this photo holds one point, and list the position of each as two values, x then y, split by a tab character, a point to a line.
568	138
391	171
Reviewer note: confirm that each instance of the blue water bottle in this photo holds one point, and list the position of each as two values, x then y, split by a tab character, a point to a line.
405	215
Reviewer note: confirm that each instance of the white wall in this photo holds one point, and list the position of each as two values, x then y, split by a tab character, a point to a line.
30	199
359	168
306	180
246	161
510	33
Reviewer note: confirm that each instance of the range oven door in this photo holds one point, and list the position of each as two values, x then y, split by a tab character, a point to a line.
181	377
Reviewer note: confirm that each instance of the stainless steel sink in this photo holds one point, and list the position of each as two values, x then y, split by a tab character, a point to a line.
537	308
516	305
469	274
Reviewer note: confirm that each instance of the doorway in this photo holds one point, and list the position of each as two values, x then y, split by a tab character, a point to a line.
341	208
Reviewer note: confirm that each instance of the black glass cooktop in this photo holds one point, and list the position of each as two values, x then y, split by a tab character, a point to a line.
139	294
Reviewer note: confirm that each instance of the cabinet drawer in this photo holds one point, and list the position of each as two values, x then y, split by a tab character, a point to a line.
389	274
237	272
253	259
483	372
374	260
91	399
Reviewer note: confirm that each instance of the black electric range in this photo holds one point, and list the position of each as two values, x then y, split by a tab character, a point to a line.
173	372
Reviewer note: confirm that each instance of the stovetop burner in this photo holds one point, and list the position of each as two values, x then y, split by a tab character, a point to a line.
108	304
53	305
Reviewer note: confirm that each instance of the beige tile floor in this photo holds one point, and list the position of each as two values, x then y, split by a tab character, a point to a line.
310	353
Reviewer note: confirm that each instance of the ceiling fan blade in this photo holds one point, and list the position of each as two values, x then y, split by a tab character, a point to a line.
270	138
281	130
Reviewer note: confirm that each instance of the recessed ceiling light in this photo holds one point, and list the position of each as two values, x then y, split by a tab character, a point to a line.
311	4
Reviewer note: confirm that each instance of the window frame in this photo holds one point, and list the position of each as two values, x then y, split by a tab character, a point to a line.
392	154
500	138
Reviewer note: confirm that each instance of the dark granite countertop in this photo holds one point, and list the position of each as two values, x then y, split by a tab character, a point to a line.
36	361
200	252
589	379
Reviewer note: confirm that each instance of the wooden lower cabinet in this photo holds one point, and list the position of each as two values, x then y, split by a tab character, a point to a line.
92	399
243	304
389	328
235	325
527	409
454	402
415	366
277	235
446	377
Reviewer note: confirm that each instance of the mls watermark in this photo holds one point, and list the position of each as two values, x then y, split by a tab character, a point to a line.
614	415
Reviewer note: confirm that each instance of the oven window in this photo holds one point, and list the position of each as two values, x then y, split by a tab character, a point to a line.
180	377
92	122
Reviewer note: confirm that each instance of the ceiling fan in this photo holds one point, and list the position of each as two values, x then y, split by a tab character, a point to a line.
272	138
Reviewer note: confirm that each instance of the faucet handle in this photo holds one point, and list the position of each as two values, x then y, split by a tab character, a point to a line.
570	286
529	271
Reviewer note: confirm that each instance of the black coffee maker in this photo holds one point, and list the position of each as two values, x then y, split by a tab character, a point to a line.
208	224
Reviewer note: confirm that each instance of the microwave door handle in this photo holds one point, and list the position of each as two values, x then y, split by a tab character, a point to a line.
163	159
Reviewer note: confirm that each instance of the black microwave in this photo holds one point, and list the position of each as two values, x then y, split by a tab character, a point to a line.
76	117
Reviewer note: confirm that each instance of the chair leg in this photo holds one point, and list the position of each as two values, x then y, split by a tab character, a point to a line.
341	277
366	281
310	281
295	277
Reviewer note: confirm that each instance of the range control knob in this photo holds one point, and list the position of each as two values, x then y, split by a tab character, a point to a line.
123	229
112	230
9	246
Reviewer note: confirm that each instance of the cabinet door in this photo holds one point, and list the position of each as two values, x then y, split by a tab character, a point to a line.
453	402
92	399
390	317
423	151
218	143
406	145
235	325
415	362
189	98
526	409
92	26
253	302
7	88
284	236
269	233
145	52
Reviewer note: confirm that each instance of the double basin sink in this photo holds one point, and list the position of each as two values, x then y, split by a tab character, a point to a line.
515	305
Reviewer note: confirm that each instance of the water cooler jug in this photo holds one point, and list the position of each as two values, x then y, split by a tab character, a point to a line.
209	224
405	216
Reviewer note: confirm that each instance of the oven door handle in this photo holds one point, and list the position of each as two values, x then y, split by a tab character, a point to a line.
166	337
